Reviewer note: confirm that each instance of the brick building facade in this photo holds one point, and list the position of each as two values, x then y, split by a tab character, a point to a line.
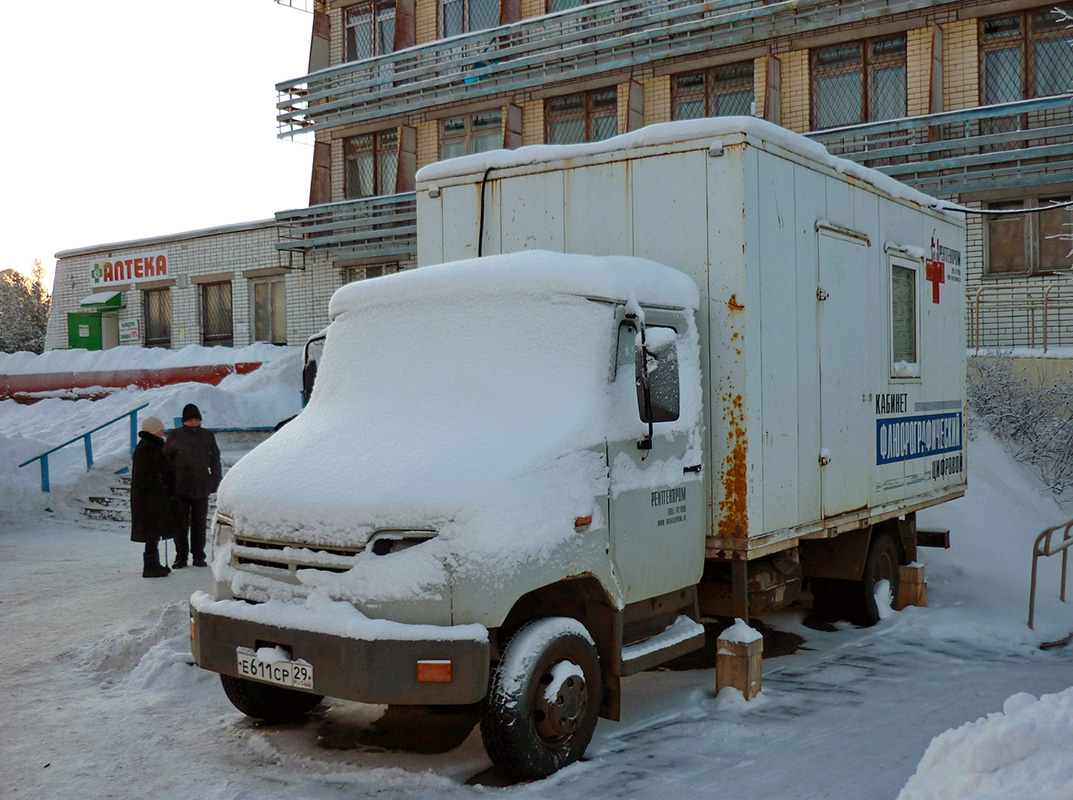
968	100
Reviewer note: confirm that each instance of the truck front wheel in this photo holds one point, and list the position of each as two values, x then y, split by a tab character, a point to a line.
544	698
270	703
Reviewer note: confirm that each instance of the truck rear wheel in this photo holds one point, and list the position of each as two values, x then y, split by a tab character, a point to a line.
544	699
834	599
270	703
883	564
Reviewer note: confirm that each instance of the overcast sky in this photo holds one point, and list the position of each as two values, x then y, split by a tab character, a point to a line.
134	118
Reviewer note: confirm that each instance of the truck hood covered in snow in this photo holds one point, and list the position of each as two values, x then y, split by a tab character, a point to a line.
470	398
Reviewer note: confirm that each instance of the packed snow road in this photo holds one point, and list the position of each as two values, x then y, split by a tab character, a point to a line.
101	701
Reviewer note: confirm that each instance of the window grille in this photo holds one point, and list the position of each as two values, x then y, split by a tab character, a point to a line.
719	92
1051	54
370	29
584	117
459	16
156	305
855	82
351	274
371	164
563	5
216	318
1024	56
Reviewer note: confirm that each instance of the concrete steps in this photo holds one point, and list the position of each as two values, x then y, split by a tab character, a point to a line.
111	501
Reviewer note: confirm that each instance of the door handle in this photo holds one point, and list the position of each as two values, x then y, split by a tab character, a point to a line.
694	468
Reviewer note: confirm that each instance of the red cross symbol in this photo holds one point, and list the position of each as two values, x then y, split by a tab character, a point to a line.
935	271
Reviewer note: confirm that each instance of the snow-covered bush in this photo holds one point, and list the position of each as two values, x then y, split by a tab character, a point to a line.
1034	417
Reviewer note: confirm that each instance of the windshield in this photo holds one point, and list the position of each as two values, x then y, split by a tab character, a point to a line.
431	404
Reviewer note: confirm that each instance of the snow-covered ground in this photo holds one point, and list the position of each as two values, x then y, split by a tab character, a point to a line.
100	698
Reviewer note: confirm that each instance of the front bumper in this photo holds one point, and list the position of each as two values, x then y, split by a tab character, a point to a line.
350	667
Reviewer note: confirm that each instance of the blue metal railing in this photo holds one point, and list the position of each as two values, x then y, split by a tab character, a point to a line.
88	442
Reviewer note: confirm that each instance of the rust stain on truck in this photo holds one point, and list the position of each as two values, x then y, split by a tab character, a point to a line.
734	516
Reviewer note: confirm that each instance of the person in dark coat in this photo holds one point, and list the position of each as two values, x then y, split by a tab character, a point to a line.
196	457
154	511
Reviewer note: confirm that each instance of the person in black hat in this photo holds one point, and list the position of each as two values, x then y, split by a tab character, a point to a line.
154	510
196	457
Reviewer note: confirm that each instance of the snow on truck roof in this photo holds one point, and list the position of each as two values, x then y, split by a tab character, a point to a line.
667	133
621	278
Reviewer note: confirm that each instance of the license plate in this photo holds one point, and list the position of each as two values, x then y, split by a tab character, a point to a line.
298	674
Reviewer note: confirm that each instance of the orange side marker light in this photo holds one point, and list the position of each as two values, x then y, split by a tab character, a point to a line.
434	671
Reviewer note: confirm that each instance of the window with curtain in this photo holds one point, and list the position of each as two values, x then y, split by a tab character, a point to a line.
217	322
473	133
269	309
156	307
1029	243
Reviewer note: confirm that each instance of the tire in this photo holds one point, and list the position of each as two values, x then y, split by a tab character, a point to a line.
270	703
883	564
525	731
828	598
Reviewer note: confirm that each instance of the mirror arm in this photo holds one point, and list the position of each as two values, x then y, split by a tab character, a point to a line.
646	443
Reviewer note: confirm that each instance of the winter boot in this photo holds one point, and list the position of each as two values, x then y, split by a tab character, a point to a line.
152	567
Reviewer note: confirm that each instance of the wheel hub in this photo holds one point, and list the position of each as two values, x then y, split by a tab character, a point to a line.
560	702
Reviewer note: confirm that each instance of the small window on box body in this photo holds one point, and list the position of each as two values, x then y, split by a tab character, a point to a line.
905	355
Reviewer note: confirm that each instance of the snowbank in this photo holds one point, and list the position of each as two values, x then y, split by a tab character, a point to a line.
1022	751
261	399
130	358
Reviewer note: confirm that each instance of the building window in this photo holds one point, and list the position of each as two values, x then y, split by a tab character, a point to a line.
1020	244
370	29
476	133
903	318
564	5
371	164
1025	55
216	319
351	274
156	304
585	117
858	82
459	16
270	310
725	91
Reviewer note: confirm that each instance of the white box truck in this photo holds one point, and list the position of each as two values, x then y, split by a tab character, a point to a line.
689	371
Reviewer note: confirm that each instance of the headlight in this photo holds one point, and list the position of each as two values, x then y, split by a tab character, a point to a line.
384	543
223	530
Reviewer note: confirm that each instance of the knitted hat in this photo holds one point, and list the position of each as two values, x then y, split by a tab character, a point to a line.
152	425
190	412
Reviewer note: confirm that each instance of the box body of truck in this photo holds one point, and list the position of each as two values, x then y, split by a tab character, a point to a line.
832	309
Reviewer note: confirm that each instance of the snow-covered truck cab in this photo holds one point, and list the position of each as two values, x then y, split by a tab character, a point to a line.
495	490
